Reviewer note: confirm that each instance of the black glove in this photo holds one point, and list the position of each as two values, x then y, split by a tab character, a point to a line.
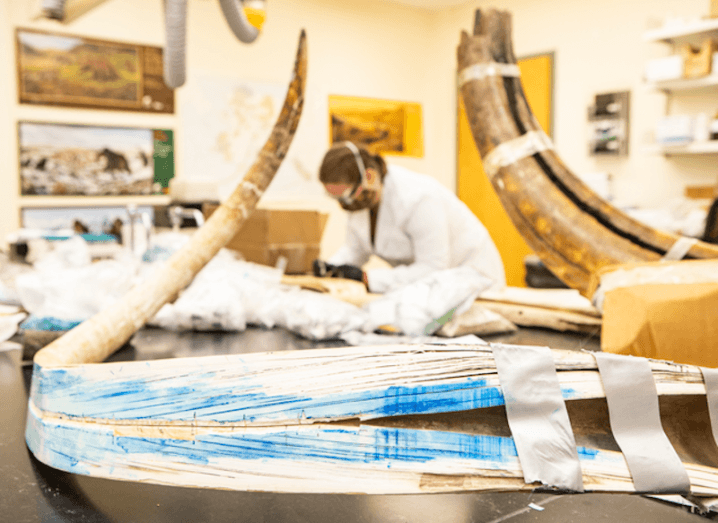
327	270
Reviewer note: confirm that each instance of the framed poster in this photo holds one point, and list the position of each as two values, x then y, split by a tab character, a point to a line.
93	220
67	160
382	126
65	70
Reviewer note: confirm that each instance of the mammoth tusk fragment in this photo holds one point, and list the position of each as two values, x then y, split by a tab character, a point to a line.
573	230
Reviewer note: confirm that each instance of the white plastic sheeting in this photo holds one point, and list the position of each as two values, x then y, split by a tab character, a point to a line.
229	294
422	307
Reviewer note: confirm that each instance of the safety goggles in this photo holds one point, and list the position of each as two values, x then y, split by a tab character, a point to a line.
348	195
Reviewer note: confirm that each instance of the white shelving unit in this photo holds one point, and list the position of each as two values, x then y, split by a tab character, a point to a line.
693	148
686	84
692	32
91	201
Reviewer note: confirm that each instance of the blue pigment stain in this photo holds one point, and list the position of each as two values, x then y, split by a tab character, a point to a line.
369	445
198	396
76	449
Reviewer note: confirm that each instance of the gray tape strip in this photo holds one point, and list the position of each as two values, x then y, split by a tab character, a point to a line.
710	378
636	424
537	416
679	249
514	150
480	71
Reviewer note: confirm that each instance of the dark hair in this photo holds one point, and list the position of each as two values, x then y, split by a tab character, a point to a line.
340	166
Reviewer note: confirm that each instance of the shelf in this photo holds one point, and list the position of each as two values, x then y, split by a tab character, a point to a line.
692	32
693	148
92	201
686	84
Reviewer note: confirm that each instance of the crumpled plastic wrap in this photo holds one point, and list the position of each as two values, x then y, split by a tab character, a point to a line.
9	271
356	338
65	284
422	307
228	294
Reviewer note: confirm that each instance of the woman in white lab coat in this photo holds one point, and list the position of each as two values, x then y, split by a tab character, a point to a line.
408	219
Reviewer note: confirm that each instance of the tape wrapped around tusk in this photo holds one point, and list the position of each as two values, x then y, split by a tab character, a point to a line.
481	71
514	150
679	249
537	416
635	419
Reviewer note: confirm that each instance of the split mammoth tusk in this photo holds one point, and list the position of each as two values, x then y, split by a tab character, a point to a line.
572	229
95	339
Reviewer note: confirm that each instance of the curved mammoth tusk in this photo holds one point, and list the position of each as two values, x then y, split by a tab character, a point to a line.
175	33
237	20
573	230
95	339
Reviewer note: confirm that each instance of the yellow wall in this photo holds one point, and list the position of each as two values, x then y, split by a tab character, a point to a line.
474	187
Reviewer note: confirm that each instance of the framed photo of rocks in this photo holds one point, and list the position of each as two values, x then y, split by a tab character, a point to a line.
73	71
83	160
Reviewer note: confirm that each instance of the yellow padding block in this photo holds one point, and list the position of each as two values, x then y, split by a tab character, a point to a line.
672	321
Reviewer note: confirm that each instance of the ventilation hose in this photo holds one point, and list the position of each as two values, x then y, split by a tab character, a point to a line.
54	9
176	32
237	20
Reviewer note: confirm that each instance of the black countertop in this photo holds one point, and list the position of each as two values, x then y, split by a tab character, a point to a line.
33	492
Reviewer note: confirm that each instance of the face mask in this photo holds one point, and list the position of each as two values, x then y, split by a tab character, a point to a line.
354	198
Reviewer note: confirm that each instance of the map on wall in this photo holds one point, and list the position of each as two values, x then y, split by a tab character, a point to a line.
225	123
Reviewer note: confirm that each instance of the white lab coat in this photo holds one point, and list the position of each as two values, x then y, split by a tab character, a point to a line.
421	227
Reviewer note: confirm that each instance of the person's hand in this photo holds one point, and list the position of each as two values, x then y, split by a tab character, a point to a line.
327	270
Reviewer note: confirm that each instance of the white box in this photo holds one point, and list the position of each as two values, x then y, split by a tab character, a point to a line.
667	68
675	130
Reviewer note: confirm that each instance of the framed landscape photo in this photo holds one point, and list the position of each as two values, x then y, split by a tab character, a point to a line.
84	160
66	70
382	126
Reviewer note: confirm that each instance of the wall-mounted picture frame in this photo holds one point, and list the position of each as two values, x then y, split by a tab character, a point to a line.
74	71
383	126
84	160
93	220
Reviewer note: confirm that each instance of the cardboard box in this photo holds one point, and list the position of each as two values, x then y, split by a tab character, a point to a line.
661	310
271	234
698	62
676	322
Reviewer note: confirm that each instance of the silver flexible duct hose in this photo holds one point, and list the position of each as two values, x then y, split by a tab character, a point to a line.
237	20
54	9
174	53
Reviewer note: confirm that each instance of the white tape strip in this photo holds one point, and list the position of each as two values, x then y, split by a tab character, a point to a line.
710	378
680	249
537	416
636	424
514	150
480	71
